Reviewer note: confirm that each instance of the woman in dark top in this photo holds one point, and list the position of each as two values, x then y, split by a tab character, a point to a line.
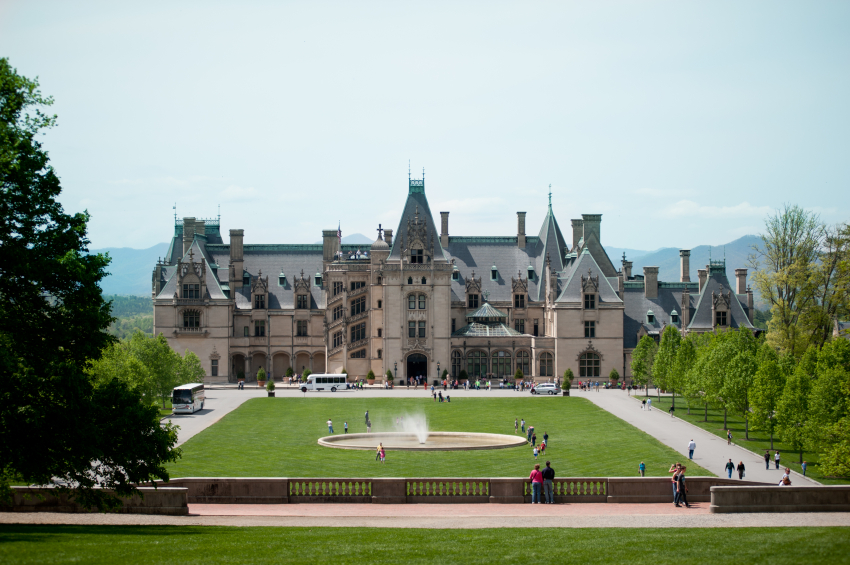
741	470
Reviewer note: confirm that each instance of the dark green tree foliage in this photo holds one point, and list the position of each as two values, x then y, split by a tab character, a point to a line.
643	358
55	421
739	374
768	386
662	368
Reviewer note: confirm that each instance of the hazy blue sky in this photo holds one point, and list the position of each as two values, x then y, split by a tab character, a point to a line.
683	123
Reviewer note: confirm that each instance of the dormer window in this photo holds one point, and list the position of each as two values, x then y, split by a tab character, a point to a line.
650	317
455	275
494	273
530	273
519	301
191	291
302	301
416	255
720	318
590	302
317	280
473	301
674	317
260	301
281	280
246	279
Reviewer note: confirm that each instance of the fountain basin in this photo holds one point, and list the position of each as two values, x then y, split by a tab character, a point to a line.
437	441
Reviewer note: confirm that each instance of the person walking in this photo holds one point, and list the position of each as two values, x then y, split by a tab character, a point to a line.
729	468
767	459
675	482
536	484
378	451
776	459
536	452
728	437
671	410
804	466
643	404
549	484
533	440
345	425
330	426
691	448
741	470
642	469
649	404
516	425
523	425
682	488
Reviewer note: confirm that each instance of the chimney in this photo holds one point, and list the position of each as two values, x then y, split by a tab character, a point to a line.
685	316
592	223
444	229
627	270
388	237
578	231
685	261
650	282
740	281
200	228
751	311
236	257
621	287
188	233
520	229
702	274
330	245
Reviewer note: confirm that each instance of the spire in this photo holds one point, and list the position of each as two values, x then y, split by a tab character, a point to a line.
550	198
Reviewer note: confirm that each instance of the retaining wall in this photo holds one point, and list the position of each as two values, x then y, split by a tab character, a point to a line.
168	501
730	500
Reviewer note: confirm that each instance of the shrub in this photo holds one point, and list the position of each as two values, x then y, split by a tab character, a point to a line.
390	376
370	376
305	374
518	375
261	374
568	375
614	375
289	372
270	385
240	375
463	375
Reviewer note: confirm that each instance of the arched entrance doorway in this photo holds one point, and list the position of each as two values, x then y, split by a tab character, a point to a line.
417	366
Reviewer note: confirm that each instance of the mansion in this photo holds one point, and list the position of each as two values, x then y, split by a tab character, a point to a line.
418	301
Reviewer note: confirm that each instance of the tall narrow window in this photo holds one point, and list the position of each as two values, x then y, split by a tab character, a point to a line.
455	275
337	339
453	325
358	305
590	302
338	312
421	301
519	301
245	331
246	279
411	302
281	280
476	365
535	328
519	325
422	329
380	332
338	287
590	329
358	332
379	304
424	280
380	354
259	328
523	362
260	301
411	329
301	328
318	280
473	301
457	363
214	367
546	365
409	280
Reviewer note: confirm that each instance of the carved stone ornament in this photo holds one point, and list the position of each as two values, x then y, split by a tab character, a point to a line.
590	283
590	349
473	285
302	283
414	344
721	299
260	285
214	354
519	285
417	236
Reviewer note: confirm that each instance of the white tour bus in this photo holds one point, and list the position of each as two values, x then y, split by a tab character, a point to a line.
326	382
185	399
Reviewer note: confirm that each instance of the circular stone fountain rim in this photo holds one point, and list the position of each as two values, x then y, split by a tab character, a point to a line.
506	441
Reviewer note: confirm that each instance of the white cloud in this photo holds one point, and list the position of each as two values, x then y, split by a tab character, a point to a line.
234	192
689	208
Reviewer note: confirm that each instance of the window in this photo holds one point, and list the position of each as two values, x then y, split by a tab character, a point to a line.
259	328
379	304
455	275
281	280
245	331
379	280
453	325
519	301
338	312
530	273
358	305
191	291
411	329
358	332
337	339
535	328
409	280
424	280
246	279
411	302
416	256
590	329
720	318
546	363
191	319
338	287
380	332
519	325
501	364
590	302
473	301
317	280
476	364
260	301
214	367
457	363
421	301
301	328
522	362
380	354
494	273
303	301
588	365
360	354
357	284
422	329
674	317
650	317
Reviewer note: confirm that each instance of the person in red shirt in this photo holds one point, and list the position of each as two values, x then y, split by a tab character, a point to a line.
536	484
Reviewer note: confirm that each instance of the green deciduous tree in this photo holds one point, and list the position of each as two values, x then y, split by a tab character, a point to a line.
58	421
642	359
685	358
662	368
793	414
739	374
767	389
829	404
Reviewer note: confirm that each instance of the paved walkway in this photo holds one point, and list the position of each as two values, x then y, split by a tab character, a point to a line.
711	453
437	516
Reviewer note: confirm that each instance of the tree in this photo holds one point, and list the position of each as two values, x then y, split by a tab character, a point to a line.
163	363
768	386
569	376
665	359
642	359
308	372
740	371
57	420
119	363
518	375
261	375
685	359
829	404
792	414
191	370
289	372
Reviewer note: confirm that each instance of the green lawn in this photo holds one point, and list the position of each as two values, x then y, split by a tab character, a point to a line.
276	437
131	545
759	441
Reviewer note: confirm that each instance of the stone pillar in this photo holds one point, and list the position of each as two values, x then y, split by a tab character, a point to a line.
685	261
650	282
389	491
686	309
520	229
740	281
627	270
388	237
592	225
236	258
188	233
444	229
578	232
751	312
330	245
702	274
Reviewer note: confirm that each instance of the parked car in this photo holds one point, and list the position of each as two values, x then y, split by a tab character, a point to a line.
546	388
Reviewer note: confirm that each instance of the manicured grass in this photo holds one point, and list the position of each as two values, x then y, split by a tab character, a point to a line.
759	441
276	437
130	545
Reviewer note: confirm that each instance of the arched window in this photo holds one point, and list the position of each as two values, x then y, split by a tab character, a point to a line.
409	280
476	364
546	363
191	319
411	302
501	364
457	363
421	301
588	365
522	363
423	280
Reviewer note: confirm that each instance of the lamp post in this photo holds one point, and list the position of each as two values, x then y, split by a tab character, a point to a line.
395	369
438	370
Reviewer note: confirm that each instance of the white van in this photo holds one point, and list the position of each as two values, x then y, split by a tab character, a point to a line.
185	399
326	382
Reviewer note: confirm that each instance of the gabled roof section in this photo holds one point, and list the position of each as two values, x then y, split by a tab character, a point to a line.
717	281
196	252
551	244
586	266
415	208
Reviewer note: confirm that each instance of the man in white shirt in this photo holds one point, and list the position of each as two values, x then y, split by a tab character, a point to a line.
691	447
330	426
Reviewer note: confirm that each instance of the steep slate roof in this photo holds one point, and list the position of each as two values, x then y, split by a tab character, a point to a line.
716	282
571	287
637	305
479	254
416	202
213	288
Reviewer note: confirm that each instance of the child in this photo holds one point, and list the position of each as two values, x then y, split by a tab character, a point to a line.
383	454
516	425
346	427
535	453
542	448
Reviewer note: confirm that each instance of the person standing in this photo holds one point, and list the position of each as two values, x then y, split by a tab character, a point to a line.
767	459
675	482
383	454
368	427
367	416
729	468
682	488
642	469
330	426
741	470
516	425
691	448
776	459
536	452
378	451
536	484
523	425
345	425
804	465
533	439
549	484
728	437
546	439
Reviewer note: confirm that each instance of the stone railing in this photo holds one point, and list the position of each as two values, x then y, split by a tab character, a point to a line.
575	490
731	500
357	317
358	291
334	299
171	501
330	490
191	331
447	490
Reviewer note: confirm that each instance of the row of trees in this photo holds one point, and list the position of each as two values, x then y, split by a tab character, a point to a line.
804	401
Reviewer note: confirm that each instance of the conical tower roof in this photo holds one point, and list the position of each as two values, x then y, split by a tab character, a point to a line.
416	220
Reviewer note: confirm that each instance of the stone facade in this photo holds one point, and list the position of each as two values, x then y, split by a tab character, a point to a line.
424	301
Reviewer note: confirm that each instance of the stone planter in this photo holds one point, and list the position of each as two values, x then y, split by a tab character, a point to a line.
271	394
370	381
261	384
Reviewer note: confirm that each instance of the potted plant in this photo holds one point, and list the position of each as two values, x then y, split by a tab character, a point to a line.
270	387
390	377
305	374
261	378
370	377
614	376
289	373
568	378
